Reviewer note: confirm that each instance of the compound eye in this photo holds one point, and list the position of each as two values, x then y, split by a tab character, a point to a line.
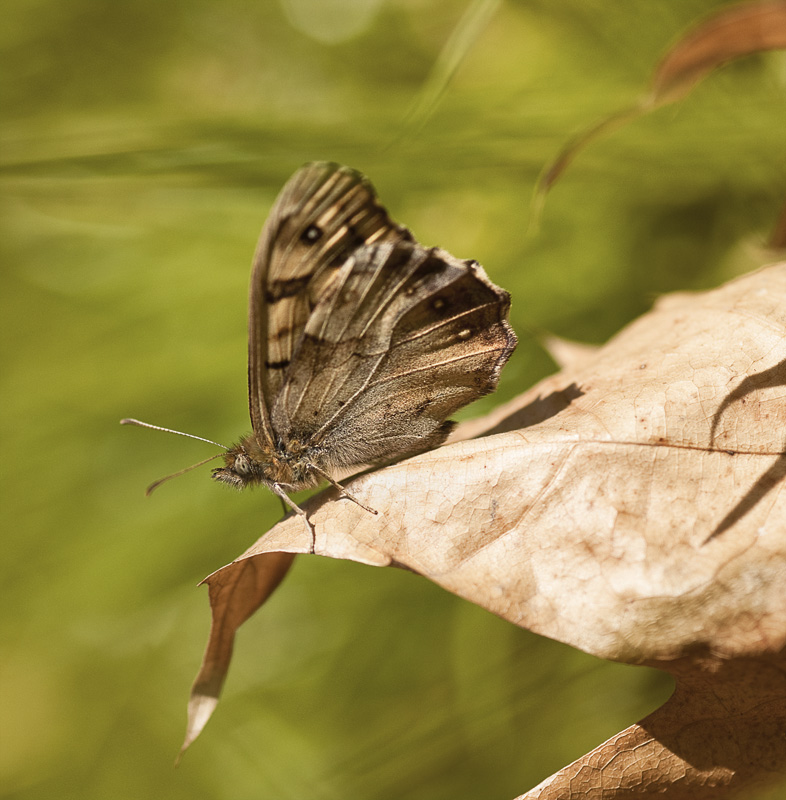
242	465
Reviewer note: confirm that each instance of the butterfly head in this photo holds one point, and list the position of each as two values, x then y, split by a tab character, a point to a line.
251	463
239	470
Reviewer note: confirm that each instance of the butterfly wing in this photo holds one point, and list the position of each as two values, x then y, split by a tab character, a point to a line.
323	214
401	338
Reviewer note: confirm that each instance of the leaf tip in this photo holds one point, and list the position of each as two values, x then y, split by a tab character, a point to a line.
200	709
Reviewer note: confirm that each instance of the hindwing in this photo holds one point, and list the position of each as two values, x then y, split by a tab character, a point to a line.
401	338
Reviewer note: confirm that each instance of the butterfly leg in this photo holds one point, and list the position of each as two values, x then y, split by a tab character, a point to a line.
343	491
277	490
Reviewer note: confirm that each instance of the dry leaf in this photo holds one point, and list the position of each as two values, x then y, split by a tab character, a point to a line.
732	32
632	506
567	353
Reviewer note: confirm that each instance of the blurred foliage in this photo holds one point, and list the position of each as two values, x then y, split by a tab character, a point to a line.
142	144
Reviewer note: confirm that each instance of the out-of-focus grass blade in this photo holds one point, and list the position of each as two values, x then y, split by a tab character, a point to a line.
472	23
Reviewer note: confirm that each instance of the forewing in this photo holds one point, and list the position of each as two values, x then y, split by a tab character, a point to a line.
323	214
403	337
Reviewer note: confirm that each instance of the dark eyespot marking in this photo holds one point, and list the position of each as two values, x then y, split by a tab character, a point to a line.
399	257
350	237
311	234
277	364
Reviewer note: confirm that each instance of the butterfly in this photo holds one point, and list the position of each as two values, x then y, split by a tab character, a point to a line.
361	342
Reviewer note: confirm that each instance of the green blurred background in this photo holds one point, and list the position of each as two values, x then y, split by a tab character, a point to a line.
142	145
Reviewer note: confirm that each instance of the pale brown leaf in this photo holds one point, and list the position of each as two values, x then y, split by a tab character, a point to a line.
633	506
234	596
566	353
719	735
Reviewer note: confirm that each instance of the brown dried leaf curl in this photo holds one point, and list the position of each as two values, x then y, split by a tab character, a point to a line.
633	506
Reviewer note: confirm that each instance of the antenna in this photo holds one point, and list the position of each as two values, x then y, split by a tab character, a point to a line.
140	424
153	486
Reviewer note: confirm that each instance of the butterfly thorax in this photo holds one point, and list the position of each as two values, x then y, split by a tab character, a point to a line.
250	463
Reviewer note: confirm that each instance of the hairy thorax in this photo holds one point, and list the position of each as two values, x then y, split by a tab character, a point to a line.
249	464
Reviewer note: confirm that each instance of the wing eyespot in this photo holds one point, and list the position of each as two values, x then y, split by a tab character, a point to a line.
311	235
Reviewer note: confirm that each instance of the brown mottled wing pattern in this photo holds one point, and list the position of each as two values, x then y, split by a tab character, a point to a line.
323	214
400	339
